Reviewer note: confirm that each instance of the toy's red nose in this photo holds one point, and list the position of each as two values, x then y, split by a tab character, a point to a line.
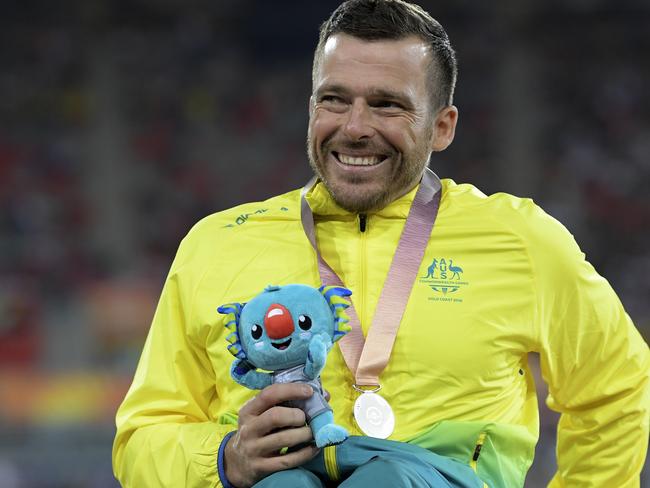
278	322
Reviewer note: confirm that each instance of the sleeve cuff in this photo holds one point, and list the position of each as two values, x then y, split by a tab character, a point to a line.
220	459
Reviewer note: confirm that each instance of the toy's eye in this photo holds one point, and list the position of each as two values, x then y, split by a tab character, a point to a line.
256	331
304	322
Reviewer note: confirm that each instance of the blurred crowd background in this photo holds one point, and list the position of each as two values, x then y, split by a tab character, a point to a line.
124	122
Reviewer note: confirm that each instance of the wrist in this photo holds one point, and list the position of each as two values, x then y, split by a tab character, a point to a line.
225	454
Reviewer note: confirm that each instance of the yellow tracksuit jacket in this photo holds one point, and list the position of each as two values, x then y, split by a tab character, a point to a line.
499	279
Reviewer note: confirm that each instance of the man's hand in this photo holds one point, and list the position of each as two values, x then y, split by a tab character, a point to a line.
264	429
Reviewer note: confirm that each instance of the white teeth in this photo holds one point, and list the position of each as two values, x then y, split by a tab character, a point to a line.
363	161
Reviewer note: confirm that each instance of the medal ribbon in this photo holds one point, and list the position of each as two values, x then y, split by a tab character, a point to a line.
367	358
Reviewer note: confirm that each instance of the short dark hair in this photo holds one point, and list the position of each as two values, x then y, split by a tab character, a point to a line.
373	20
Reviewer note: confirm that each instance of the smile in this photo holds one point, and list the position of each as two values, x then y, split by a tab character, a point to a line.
365	160
282	345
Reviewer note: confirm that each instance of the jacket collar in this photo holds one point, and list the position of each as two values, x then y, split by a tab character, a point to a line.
321	203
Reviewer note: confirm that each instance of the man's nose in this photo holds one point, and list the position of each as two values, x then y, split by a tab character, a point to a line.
359	122
278	322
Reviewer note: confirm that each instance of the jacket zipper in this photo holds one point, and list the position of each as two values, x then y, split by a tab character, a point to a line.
363	225
477	453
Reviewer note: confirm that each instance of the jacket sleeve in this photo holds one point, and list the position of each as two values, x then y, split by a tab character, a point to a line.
595	363
165	436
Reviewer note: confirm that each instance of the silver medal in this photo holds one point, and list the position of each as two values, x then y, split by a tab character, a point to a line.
374	416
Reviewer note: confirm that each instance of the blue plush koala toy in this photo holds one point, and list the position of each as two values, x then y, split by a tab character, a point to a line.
287	331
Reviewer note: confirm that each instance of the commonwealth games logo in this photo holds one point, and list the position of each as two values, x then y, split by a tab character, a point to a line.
444	277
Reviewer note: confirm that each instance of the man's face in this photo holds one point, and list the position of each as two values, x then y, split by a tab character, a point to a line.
371	126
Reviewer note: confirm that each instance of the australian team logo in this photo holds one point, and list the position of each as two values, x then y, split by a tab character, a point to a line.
444	277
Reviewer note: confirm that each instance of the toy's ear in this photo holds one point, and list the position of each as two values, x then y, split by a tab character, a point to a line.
335	296
232	311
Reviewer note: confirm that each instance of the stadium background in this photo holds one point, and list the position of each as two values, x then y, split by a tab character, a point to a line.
122	123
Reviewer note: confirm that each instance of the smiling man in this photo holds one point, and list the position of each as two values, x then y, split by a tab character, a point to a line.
373	120
451	289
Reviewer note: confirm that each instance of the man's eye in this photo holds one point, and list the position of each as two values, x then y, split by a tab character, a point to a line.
331	99
387	104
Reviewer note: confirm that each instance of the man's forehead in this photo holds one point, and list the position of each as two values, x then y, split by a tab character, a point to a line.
410	48
399	65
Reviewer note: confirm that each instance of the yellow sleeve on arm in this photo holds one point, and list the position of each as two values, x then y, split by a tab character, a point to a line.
165	436
595	363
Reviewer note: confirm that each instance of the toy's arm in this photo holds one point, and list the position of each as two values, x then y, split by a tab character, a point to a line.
244	373
317	355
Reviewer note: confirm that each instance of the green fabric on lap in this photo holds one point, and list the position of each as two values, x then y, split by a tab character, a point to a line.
436	471
290	478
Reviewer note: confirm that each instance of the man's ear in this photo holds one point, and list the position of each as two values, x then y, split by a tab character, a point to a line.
444	128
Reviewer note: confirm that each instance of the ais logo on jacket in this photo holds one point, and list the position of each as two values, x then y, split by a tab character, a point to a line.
444	277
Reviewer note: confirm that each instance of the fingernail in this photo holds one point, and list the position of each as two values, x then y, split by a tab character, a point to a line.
307	390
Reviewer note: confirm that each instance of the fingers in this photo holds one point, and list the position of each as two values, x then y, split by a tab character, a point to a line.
277	418
273	443
274	395
289	460
327	396
265	427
